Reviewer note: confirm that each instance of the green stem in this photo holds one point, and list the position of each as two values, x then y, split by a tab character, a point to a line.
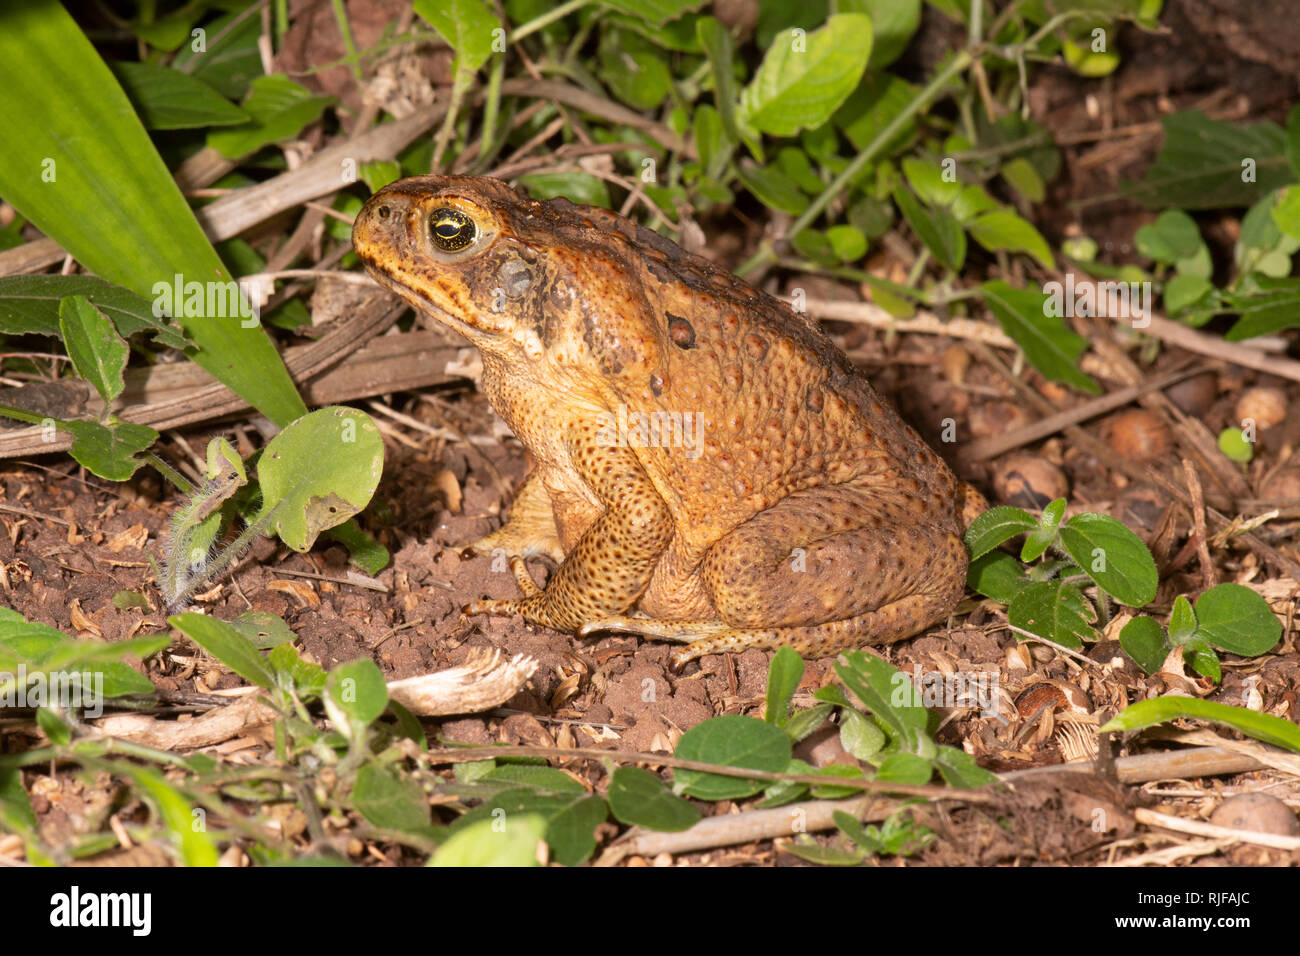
546	19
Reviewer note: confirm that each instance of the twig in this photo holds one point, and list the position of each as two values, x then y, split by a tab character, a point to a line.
1208	576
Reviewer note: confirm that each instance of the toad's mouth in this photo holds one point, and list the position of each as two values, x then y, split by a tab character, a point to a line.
421	300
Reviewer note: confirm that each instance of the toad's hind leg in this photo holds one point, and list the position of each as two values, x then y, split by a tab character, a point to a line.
832	568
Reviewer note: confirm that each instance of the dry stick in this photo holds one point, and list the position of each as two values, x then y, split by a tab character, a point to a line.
982	449
1137	472
867	313
1208	575
1197	828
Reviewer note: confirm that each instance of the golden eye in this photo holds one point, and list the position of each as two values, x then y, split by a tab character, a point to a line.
452	230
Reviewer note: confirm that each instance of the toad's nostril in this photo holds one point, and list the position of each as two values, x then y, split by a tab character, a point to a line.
382	212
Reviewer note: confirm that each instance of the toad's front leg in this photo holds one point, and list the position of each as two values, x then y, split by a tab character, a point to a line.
609	567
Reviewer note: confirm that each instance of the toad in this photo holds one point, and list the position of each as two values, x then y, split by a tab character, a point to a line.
708	467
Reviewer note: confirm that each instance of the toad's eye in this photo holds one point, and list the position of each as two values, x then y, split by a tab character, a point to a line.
452	230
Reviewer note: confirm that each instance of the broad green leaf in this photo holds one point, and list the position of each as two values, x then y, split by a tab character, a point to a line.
516	841
905	768
466	25
1045	531
1173	236
320	471
730	741
1144	641
1158	710
229	58
655	11
773	187
634	69
805	722
1235	618
280	109
783	676
804	78
98	353
996	575
379	173
860	736
1204	164
1234	444
927	180
959	769
877	101
1004	230
972	201
1184	291
1113	556
357	689
847	242
168	99
1274	307
639	798
581	188
794	163
540	778
1200	657
571	833
1024	179
1055	610
1049	345
15	807
308	678
92	180
108	450
391	801
937	228
29	305
225	644
56	729
887	692
893	23
263	629
995	526
1286	214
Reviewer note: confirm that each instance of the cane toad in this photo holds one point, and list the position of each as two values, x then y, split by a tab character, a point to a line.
709	467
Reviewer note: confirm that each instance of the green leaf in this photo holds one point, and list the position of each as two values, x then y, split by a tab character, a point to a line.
783	676
92	180
97	351
581	188
194	842
516	841
718	47
263	629
804	79
540	778
1158	710
357	689
1235	618
893	23
1182	622
639	798
1286	214
655	11
1005	230
280	109
971	202
168	99
1113	556
379	173
1045	531
390	801
1171	237
860	736
1234	444
109	450
634	69
1048	344
572	831
996	526
773	187
730	741
1274	307
15	807
231	59
30	305
1201	658
927	180
308	678
805	722
959	769
938	229
466	25
55	728
1144	641
1184	291
905	768
877	101
1056	610
1024	179
996	575
1203	163
887	693
225	644
319	471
